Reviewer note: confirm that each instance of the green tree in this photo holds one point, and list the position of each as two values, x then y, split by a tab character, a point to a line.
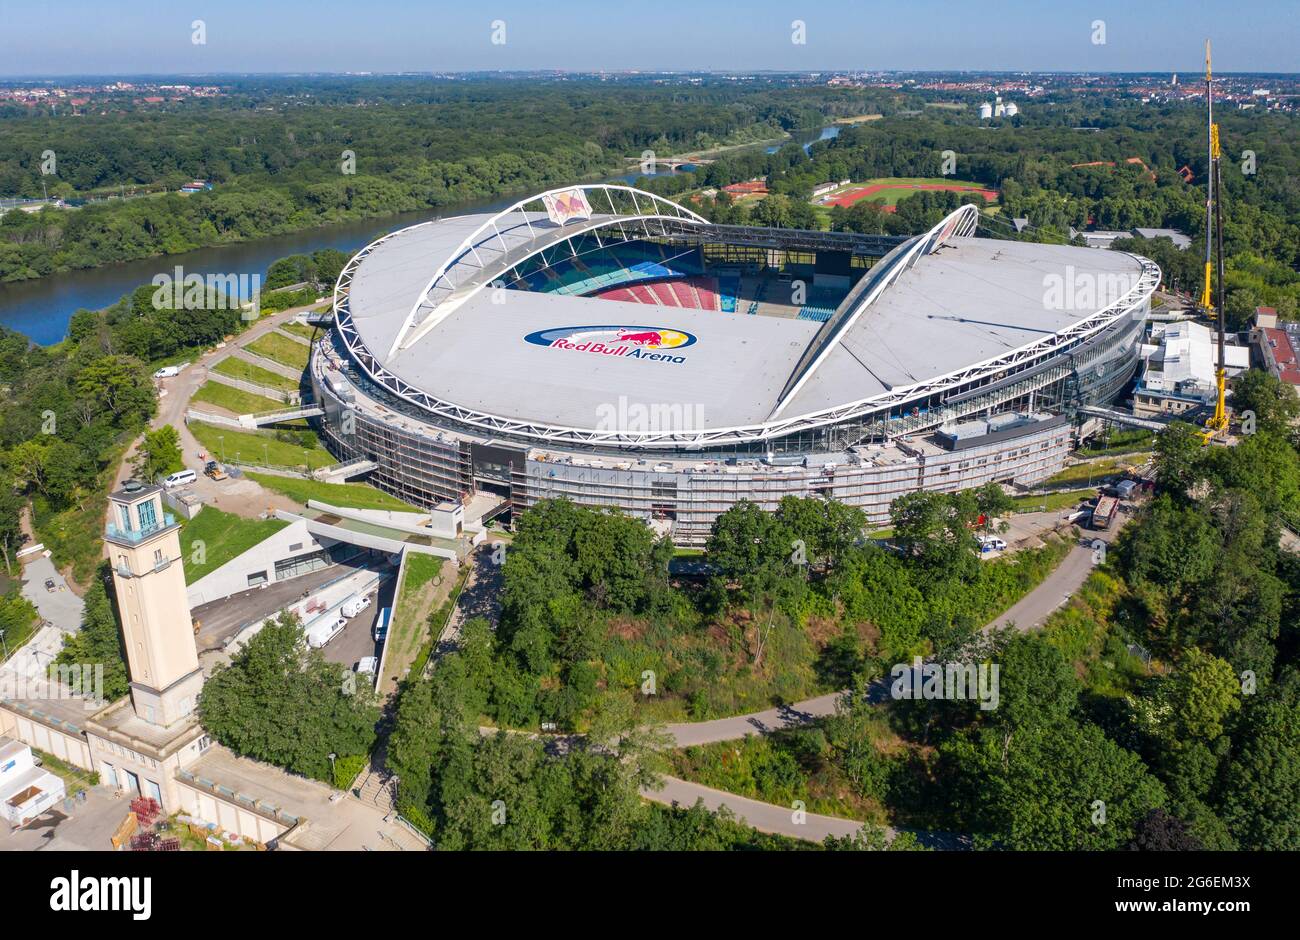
1261	786
280	702
1273	402
99	641
160	453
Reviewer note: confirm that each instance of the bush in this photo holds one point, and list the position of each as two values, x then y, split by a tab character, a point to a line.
346	769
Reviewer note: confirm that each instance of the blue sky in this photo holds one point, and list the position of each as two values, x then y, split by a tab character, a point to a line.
154	36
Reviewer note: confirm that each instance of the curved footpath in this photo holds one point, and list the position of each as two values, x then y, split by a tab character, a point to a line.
1026	614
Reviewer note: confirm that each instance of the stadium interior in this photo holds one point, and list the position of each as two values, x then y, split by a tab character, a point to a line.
726	278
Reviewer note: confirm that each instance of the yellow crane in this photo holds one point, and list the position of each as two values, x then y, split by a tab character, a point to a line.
1217	422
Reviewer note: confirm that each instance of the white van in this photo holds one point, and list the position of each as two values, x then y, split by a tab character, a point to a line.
367	665
180	478
991	543
324	630
354	605
167	372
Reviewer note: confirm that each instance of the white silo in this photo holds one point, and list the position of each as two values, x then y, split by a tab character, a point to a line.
986	111
1012	109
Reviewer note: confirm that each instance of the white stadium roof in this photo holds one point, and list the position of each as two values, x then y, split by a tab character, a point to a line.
935	312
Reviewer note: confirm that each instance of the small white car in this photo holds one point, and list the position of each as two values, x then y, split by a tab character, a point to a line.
991	543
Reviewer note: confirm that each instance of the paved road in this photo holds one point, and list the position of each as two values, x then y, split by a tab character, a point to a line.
1057	588
689	733
765	817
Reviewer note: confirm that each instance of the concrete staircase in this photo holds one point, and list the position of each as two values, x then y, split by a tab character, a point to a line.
377	788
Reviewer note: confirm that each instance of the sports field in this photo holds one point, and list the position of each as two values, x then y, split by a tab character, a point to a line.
890	191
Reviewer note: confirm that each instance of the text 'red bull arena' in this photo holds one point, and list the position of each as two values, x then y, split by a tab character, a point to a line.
604	344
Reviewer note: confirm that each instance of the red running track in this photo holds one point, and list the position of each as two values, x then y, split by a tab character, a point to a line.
857	195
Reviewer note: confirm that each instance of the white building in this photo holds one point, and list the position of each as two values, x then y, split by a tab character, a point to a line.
1179	368
26	790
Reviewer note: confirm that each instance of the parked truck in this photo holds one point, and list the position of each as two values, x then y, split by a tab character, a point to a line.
1103	514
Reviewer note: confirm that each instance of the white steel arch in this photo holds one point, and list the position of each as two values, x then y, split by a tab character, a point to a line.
435	302
959	223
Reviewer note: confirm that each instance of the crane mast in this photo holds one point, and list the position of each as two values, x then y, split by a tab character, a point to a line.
1217	422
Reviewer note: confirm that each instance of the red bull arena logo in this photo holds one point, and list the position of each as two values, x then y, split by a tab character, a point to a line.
649	343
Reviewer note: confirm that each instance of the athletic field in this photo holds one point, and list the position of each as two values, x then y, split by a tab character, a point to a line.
892	190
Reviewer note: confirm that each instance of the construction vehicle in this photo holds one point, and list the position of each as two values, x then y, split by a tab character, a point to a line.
1103	514
1217	423
214	470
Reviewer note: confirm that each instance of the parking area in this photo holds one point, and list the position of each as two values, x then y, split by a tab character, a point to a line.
87	827
357	639
59	606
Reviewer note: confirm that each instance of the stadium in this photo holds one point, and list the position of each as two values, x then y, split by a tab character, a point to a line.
605	344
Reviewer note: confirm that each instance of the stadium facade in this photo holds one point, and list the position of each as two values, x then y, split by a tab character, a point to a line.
607	345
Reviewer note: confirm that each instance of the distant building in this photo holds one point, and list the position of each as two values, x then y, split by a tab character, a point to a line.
821	189
986	111
1180	365
1277	349
1178	238
1102	238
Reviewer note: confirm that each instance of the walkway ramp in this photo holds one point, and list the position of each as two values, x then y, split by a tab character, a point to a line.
347	470
305	410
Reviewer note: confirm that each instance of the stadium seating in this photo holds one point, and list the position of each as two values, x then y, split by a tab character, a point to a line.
697	293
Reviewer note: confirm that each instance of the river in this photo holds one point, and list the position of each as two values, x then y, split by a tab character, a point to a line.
42	308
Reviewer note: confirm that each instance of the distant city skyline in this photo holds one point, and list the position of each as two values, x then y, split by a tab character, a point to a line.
151	37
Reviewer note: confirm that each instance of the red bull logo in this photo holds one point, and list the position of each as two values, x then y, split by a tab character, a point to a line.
649	343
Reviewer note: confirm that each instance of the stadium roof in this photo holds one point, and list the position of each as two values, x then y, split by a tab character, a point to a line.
931	312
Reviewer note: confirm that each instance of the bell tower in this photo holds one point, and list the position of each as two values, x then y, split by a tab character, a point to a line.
144	547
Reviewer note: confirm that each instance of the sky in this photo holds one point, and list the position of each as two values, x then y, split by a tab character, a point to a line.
136	37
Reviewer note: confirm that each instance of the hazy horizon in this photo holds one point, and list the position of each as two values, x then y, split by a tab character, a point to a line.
80	38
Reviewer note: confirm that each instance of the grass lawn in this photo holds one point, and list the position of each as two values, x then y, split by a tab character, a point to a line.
1119	442
1094	472
234	400
223	536
1050	502
239	369
425	580
280	349
346	495
257	448
74	778
301	329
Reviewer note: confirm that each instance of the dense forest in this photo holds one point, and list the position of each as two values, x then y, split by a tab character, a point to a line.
277	158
